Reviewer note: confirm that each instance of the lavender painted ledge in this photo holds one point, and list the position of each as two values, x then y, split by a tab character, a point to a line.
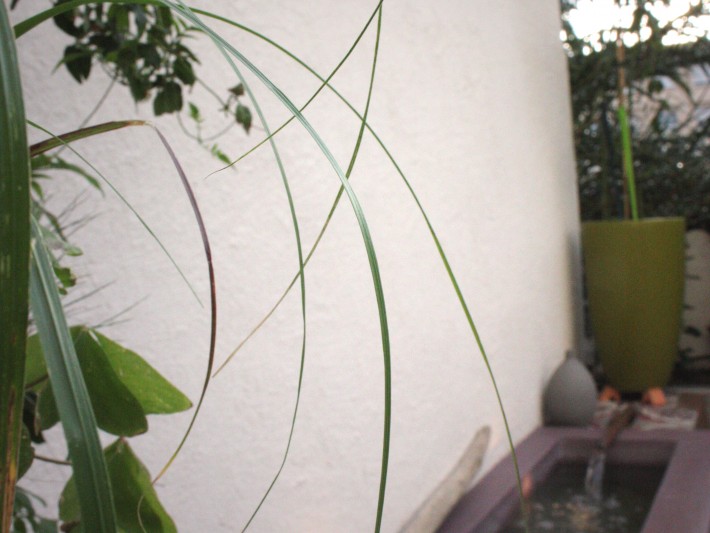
682	502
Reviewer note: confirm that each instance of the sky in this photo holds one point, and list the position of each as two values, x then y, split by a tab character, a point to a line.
593	16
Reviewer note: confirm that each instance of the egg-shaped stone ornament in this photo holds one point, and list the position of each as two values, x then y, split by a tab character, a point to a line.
570	396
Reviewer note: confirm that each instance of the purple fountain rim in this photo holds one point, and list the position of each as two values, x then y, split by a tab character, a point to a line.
681	502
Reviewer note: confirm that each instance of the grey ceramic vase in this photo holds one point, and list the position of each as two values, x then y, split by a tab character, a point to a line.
570	396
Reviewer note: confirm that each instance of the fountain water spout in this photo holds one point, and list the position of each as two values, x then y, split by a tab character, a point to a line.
595	469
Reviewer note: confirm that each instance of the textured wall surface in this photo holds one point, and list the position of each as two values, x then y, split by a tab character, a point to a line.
471	98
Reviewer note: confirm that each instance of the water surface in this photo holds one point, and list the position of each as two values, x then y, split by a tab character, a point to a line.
562	505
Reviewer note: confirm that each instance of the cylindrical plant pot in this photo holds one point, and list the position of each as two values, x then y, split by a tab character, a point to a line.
635	274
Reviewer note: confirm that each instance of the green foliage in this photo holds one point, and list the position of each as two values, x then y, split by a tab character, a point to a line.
123	389
154	393
137	506
26	453
129	479
26	519
670	122
117	411
122	386
72	399
141	46
241	112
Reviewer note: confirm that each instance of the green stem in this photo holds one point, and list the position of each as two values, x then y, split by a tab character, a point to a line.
628	160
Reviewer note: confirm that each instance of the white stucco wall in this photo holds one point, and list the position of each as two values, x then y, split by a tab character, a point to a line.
472	100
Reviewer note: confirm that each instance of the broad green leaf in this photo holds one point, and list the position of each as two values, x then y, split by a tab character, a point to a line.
70	392
155	393
46	408
35	368
117	411
130	481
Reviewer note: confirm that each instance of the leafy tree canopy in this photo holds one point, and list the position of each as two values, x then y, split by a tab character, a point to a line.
667	65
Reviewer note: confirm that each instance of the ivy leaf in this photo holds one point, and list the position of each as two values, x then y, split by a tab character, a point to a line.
78	62
195	112
65	276
149	53
66	22
140	18
139	87
243	116
183	71
168	100
237	90
131	486
118	18
217	152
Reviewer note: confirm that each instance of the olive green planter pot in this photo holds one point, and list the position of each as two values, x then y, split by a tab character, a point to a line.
635	274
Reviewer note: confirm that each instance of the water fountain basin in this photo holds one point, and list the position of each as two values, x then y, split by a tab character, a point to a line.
681	503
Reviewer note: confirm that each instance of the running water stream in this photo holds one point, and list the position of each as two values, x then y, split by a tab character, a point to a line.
594	478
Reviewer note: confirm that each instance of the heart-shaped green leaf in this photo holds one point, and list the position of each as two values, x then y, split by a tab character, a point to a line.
130	482
155	393
35	368
117	411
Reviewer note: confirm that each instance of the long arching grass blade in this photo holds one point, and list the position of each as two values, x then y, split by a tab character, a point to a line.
359	214
57	140
299	247
71	396
409	187
28	24
213	294
301	275
323	84
14	265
